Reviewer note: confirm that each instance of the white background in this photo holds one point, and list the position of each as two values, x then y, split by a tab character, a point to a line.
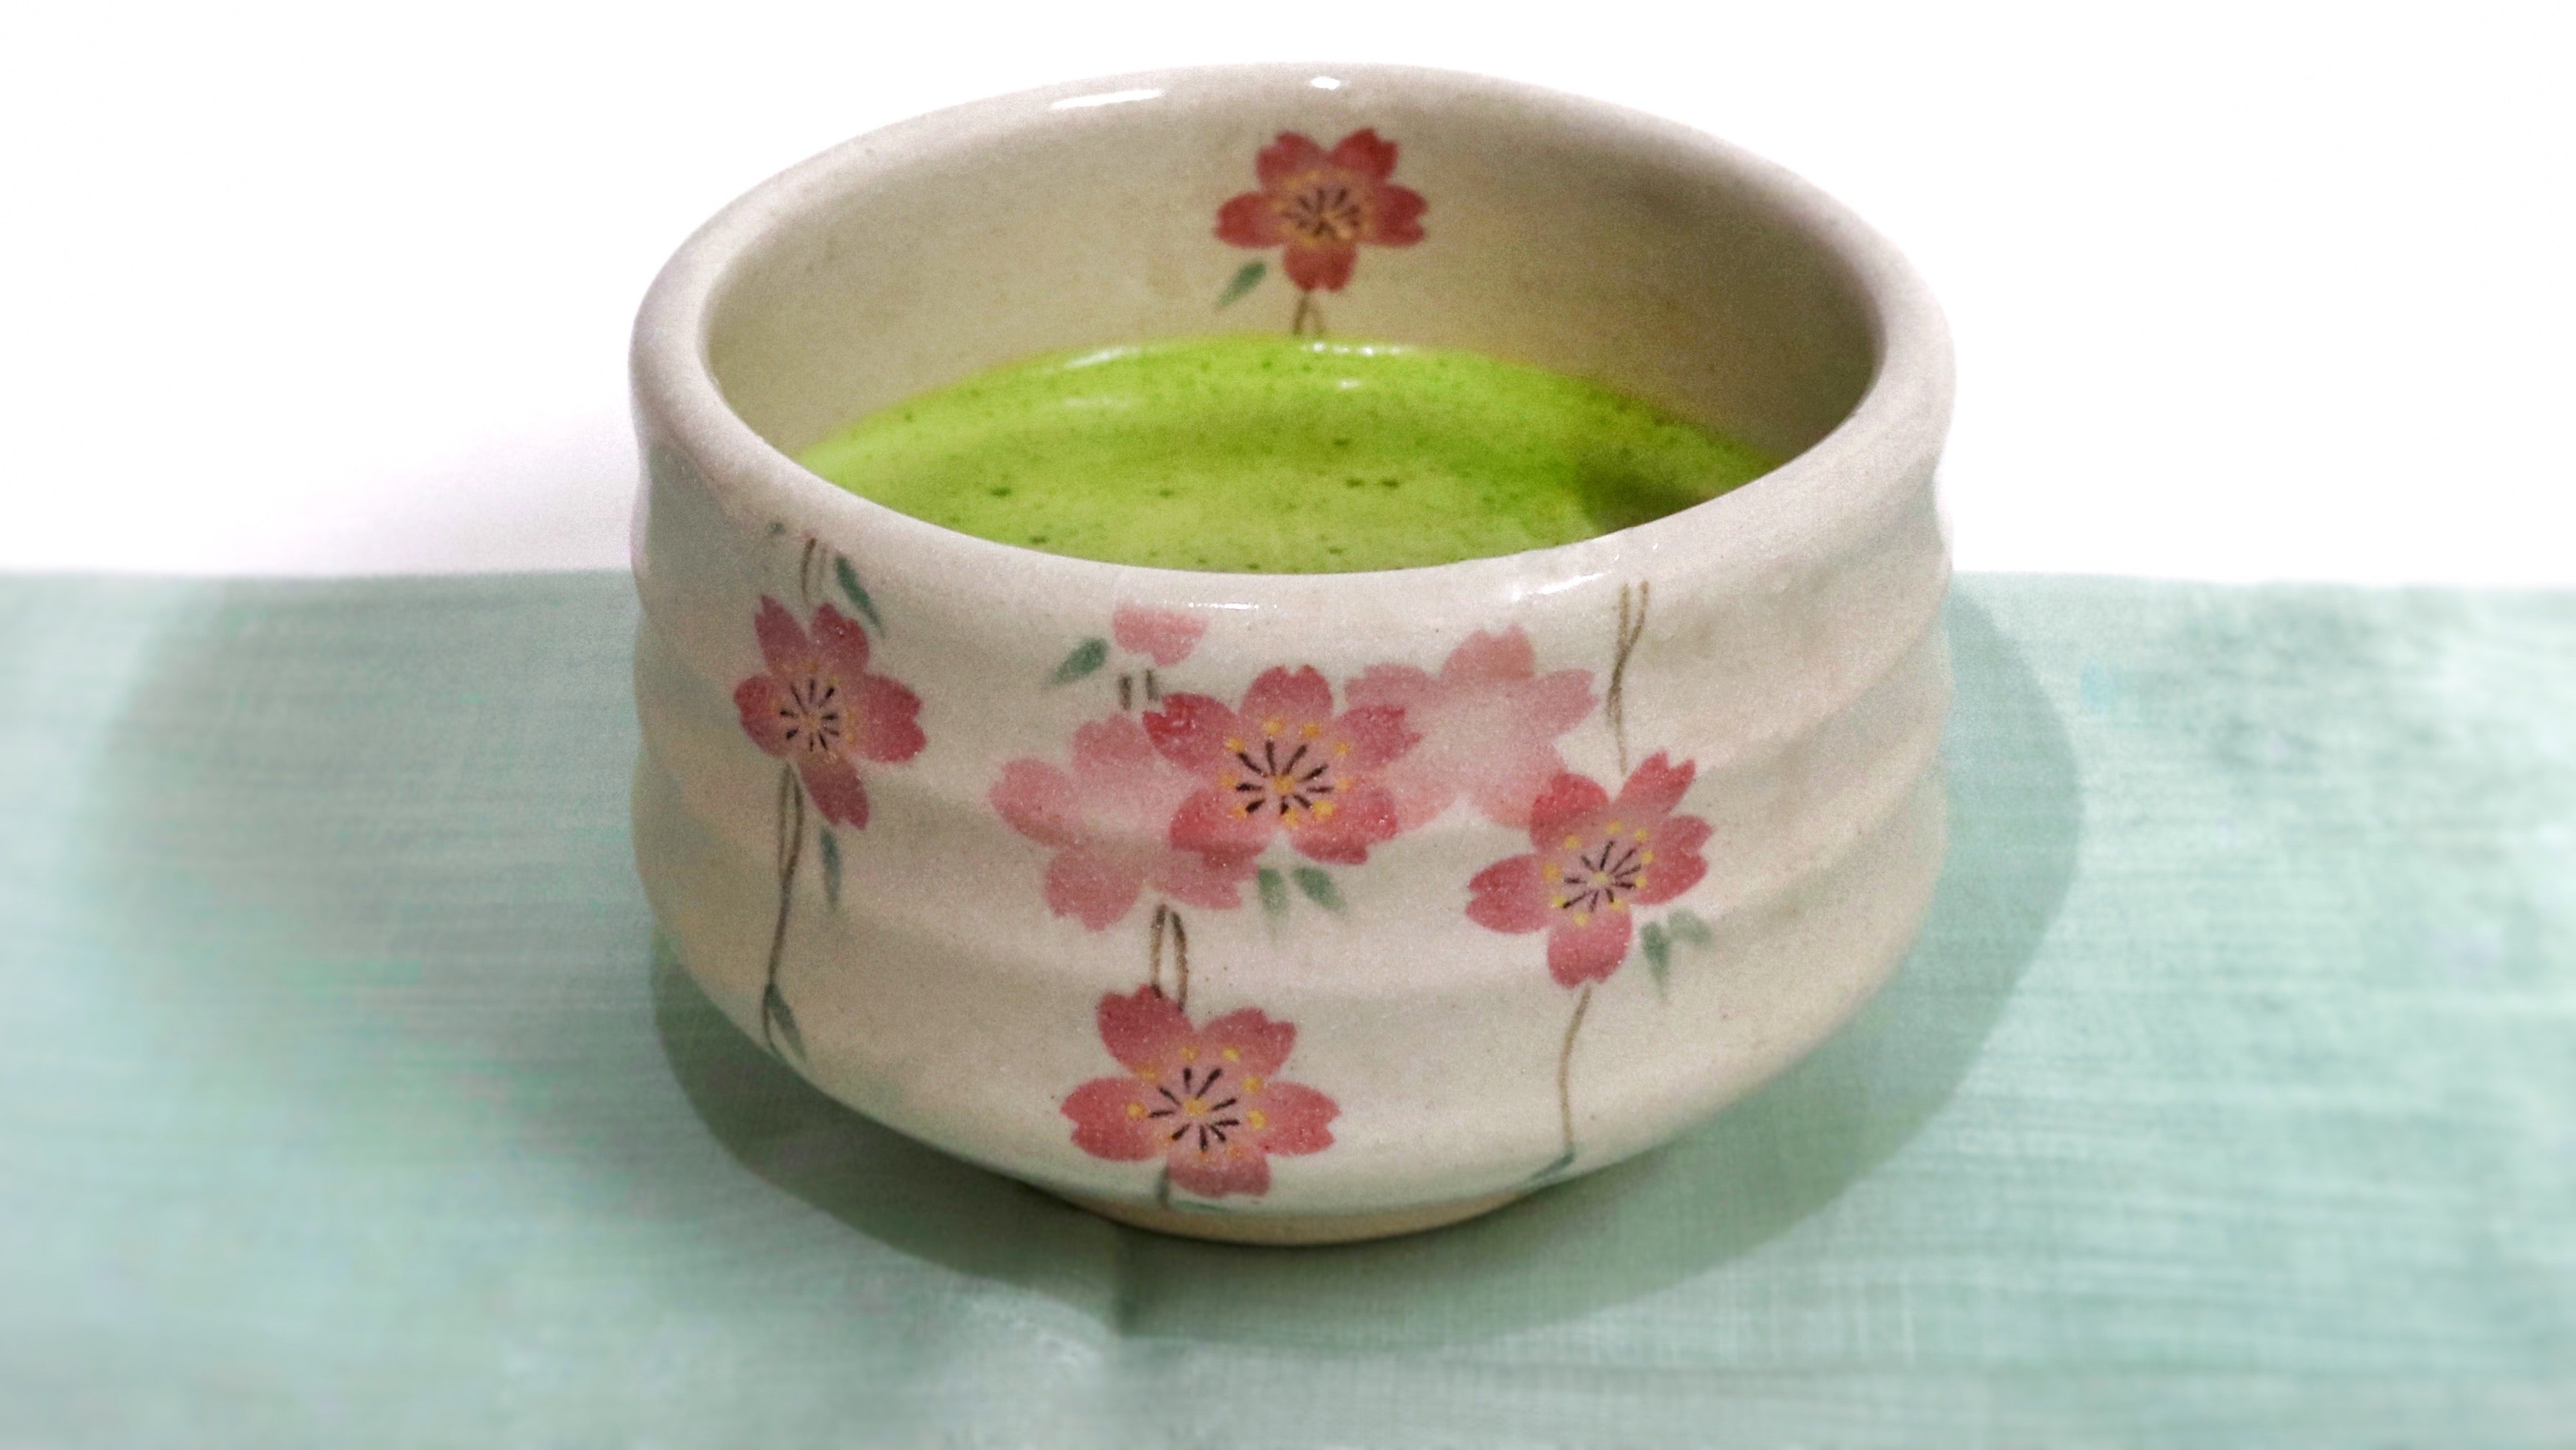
2239	292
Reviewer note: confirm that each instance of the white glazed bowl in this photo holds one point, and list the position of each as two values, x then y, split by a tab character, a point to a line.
943	820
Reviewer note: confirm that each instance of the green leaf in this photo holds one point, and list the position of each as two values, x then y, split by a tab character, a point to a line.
1087	657
773	1010
858	592
1686	926
1319	888
1246	277
1274	893
832	868
1659	955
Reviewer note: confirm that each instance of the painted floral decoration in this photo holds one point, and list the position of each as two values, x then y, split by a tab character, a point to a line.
1489	724
1323	206
1207	1101
1166	636
818	708
1108	820
1283	763
1596	858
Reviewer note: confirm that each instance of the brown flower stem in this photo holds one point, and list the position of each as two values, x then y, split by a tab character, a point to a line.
1565	1075
1307	315
1154	948
805	571
1180	963
791	850
1632	627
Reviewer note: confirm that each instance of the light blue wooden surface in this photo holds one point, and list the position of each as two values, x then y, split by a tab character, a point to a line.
2230	1099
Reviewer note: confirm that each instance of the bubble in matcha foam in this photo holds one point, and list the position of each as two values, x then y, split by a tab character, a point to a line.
1266	454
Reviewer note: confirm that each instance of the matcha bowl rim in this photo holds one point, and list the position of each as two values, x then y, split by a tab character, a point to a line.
1799	509
952	827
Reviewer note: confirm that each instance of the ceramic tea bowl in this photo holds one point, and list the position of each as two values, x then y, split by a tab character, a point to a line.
1290	909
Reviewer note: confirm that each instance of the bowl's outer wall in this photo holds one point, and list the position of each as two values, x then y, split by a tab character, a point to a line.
1790	643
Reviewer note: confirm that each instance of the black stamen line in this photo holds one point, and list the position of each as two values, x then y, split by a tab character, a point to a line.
1162	1112
1318	770
1249	763
1167	1092
1254	787
1213	1074
1180	1132
1291	766
1221	1107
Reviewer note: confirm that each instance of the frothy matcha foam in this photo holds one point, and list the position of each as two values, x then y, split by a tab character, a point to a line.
1280	455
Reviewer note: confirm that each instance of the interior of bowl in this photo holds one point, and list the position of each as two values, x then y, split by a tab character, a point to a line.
1554	231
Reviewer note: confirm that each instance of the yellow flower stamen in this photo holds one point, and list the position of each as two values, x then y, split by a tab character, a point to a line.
1233	1055
1257	1119
1252	1084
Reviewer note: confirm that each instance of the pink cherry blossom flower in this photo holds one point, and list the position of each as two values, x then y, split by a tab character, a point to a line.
1323	206
1596	858
1207	1101
819	709
1165	635
1489	723
1284	762
1109	822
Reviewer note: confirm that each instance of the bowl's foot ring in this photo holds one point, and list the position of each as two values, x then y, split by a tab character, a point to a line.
1319	1228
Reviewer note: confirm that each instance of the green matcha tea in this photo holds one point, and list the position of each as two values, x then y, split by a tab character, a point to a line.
1280	455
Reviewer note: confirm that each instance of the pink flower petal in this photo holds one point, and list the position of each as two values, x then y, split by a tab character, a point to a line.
840	641
1299	1117
1511	895
1260	1045
1678	865
1166	635
1208	824
1319	266
1365	152
1394	217
1588	953
1250	220
1234	1168
1557	702
1366	817
1503	655
835	786
1284	159
885	716
1196	880
1191	731
1038	801
784	646
1102	1125
1115	747
1143	1030
1093	887
1376	735
1656	787
1291	697
1507	783
1390	686
757	700
1569	804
